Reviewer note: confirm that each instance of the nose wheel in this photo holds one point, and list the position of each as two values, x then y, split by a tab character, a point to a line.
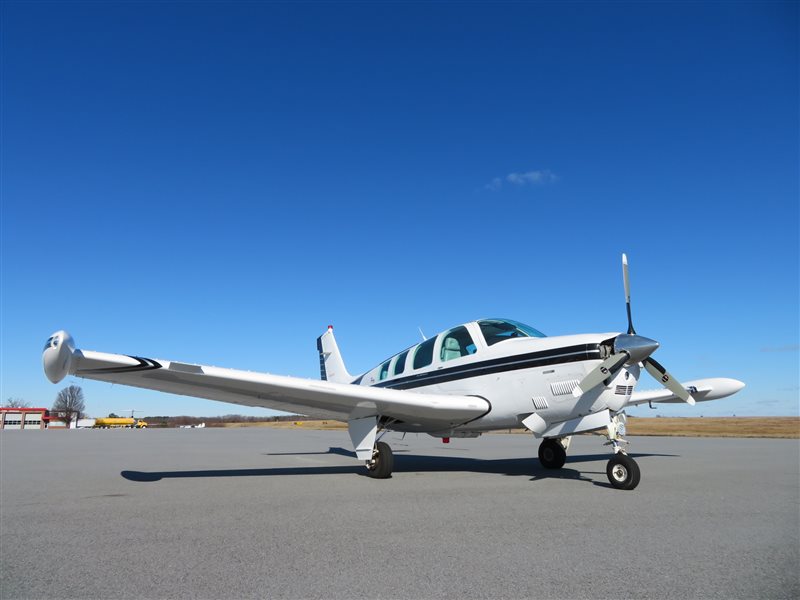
623	472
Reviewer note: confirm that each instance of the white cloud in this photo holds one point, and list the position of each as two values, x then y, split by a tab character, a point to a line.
495	184
538	177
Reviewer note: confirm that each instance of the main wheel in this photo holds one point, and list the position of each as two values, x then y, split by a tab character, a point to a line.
380	467
552	454
623	472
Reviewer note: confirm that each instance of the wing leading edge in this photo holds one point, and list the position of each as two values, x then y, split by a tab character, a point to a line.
318	399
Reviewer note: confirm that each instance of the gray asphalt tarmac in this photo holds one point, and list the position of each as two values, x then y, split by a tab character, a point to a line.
262	513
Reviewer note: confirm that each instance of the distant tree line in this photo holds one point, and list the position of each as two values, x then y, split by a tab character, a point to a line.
163	421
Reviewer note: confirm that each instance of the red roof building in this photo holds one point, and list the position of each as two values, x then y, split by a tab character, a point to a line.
25	418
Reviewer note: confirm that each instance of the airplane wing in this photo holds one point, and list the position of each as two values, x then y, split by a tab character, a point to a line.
701	390
317	399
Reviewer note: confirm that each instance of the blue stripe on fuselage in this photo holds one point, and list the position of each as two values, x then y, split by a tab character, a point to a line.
497	365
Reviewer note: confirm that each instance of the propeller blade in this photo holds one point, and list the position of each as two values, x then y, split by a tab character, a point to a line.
607	368
673	385
626	281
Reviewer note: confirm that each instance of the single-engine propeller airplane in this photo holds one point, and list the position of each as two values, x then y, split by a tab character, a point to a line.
480	376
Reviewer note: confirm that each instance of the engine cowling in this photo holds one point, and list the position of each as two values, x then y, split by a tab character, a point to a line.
621	388
57	356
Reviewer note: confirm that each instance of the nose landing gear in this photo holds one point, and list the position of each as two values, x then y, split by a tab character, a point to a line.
622	471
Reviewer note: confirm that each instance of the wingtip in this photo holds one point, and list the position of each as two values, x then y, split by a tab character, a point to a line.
57	355
728	386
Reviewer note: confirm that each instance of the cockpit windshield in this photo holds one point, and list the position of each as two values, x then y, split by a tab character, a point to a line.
499	330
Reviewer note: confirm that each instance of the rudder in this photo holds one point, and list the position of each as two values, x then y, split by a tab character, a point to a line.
331	364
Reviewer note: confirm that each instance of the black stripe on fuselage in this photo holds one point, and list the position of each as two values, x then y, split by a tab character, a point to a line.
515	362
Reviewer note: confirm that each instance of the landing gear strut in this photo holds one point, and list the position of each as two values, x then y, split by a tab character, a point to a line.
364	434
382	461
622	471
552	454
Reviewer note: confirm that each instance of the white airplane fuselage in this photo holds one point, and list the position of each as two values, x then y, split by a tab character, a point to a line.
516	377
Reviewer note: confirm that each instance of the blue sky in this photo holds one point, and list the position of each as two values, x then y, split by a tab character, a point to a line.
217	182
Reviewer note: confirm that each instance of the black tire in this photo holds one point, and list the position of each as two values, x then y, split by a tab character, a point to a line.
383	462
623	472
552	454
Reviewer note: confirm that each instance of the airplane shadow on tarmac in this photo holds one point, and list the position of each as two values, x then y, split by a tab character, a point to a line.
404	464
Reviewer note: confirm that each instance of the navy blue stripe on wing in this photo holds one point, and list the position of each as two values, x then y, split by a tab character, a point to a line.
145	364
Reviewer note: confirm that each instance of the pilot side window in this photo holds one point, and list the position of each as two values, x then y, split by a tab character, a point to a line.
457	343
499	330
424	354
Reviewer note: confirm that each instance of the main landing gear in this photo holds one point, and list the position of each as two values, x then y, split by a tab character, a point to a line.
552	453
377	455
622	471
382	461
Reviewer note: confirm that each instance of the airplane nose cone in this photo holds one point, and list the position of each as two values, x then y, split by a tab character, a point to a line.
639	347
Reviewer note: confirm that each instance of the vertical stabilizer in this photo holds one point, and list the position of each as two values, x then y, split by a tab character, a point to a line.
331	365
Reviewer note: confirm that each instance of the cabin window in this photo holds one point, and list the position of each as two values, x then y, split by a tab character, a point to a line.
457	343
384	373
400	365
424	354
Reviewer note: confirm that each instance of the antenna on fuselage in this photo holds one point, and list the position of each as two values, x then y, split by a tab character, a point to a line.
422	334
